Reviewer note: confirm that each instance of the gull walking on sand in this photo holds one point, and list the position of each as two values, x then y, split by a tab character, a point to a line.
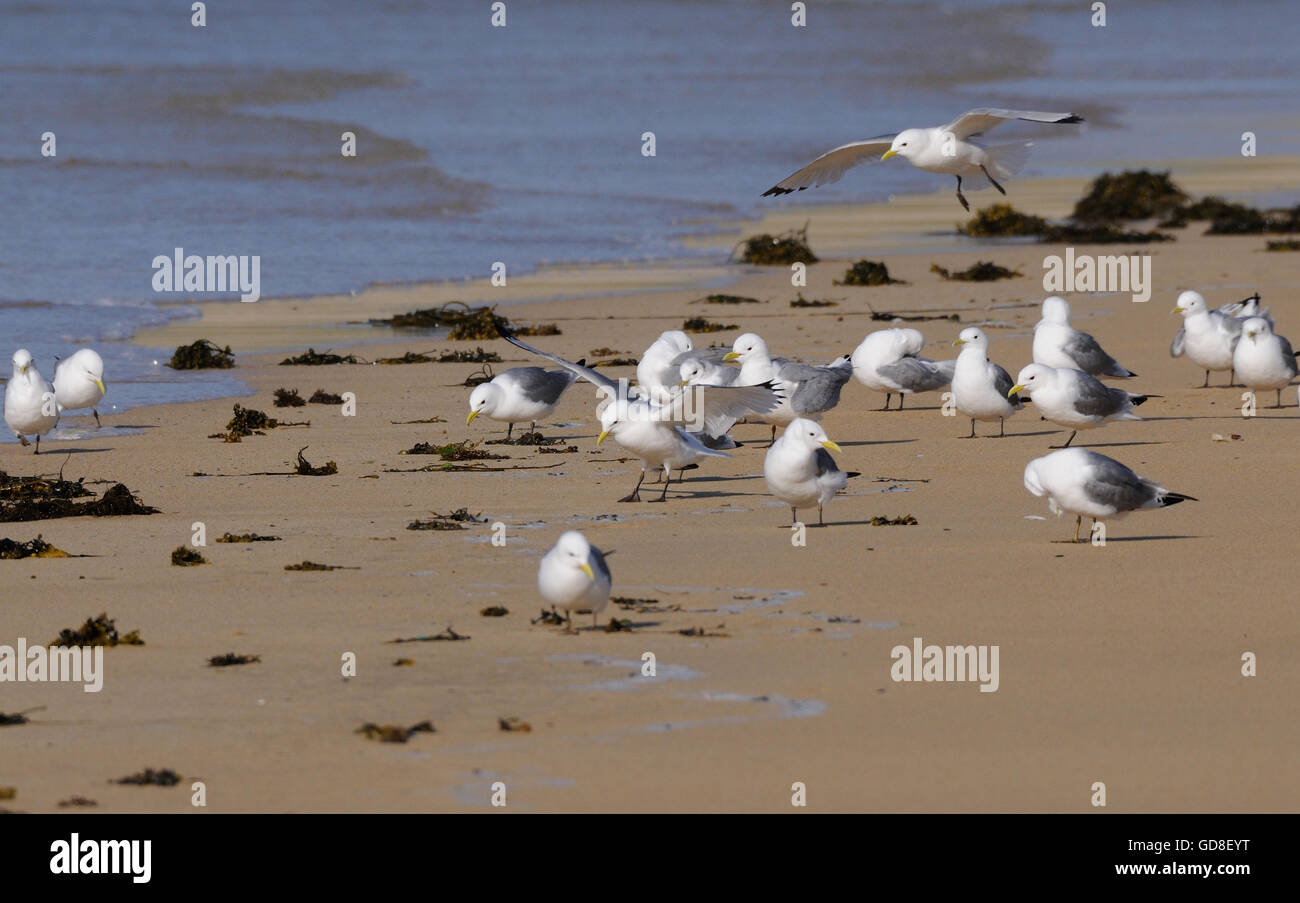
808	391
1073	398
800	471
79	382
520	394
889	361
573	576
1263	359
31	408
1057	344
947	150
1082	482
980	388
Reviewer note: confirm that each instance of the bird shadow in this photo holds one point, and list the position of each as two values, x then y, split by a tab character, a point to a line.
1110	539
1110	444
876	442
74	451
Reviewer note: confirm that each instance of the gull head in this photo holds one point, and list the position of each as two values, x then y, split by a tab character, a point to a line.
677	339
1032	377
611	415
22	360
972	336
573	550
907	144
1256	327
1189	304
1033	481
1056	310
483	400
747	347
808	434
92	367
690	371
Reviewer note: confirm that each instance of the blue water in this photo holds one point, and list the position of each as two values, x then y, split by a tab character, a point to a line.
523	144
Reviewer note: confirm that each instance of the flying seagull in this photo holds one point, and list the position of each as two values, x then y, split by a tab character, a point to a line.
946	149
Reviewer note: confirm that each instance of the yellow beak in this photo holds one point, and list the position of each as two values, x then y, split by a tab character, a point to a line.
889	153
831	445
1014	390
956	342
1177	310
103	390
602	436
731	355
684	383
588	571
470	418
23	370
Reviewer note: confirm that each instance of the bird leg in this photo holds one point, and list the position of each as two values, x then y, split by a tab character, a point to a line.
1206	384
1232	377
1279	399
95	411
22	439
509	429
993	180
1067	441
771	441
568	619
961	197
1002	427
635	496
1078	522
794	516
533	427
888	396
38	446
668	481
820	522
972	429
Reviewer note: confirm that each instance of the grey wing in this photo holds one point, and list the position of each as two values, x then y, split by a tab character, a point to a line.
1002	382
1111	483
1176	347
1099	400
830	166
916	374
602	566
720	406
1088	355
816	389
713	354
1288	356
825	463
984	119
590	375
544	386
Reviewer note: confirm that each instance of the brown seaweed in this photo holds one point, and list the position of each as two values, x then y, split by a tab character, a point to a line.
868	272
726	299
494	611
315	566
700	324
453	521
981	271
1003	221
801	301
905	520
447	635
1129	195
392	733
97	631
776	250
33	548
184	557
246	537
454	451
306	469
202	355
514	725
116	501
313	358
163	777
230	658
288	398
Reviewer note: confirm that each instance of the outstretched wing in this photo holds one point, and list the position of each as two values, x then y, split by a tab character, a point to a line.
830	166
977	122
580	370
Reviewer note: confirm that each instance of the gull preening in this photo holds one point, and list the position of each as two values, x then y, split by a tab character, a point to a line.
1263	359
1207	337
31	408
1057	344
519	395
946	149
980	388
807	390
889	361
79	382
1082	482
799	469
573	576
1073	398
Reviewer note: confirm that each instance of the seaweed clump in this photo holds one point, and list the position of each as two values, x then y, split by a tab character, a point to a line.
1129	195
905	520
246	537
22	499
34	548
453	521
225	661
163	777
700	324
320	396
981	271
288	398
514	725
1003	221
477	356
392	733
777	250
494	611
727	299
246	422
1289	245
868	272
316	566
454	451
306	469
801	301
313	358
185	558
202	355
97	631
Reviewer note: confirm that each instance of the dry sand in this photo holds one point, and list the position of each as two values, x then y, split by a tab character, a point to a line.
1119	664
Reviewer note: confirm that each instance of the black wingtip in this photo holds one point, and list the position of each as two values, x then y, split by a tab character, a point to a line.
853	473
1073	117
1174	498
1138	400
776	191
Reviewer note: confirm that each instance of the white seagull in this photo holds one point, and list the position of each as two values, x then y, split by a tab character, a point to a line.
946	149
1263	359
809	391
519	395
573	576
79	382
1057	344
980	388
889	361
1073	398
799	469
31	407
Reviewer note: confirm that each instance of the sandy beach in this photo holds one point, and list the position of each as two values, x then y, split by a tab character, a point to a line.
1119	664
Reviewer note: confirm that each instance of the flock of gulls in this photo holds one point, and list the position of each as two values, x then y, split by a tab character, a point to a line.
685	401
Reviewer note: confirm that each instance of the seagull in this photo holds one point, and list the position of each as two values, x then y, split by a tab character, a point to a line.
519	394
809	391
946	149
79	382
1082	482
888	361
1073	398
1263	359
659	370
574	575
1058	345
31	407
799	469
696	371
643	428
981	388
1209	337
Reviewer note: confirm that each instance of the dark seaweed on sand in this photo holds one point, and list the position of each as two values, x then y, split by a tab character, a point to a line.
410	357
117	501
868	272
246	537
183	557
723	299
454	451
452	521
981	271
704	632
618	625
482	375
202	355
163	777
77	801
477	356
313	358
230	658
305	468
97	631
700	324
288	398
494	611
776	250
34	548
801	301
1003	221
447	635
315	566
8	719
15	489
1129	195
392	733
1288	245
905	520
320	396
514	725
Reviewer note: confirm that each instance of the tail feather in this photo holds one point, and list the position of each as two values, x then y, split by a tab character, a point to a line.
1007	160
1137	400
1173	498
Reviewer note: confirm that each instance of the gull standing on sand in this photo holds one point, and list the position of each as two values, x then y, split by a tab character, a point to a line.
980	388
799	469
888	360
808	390
79	382
1073	398
1207	336
520	394
31	407
1057	344
1263	359
947	150
1081	482
574	575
